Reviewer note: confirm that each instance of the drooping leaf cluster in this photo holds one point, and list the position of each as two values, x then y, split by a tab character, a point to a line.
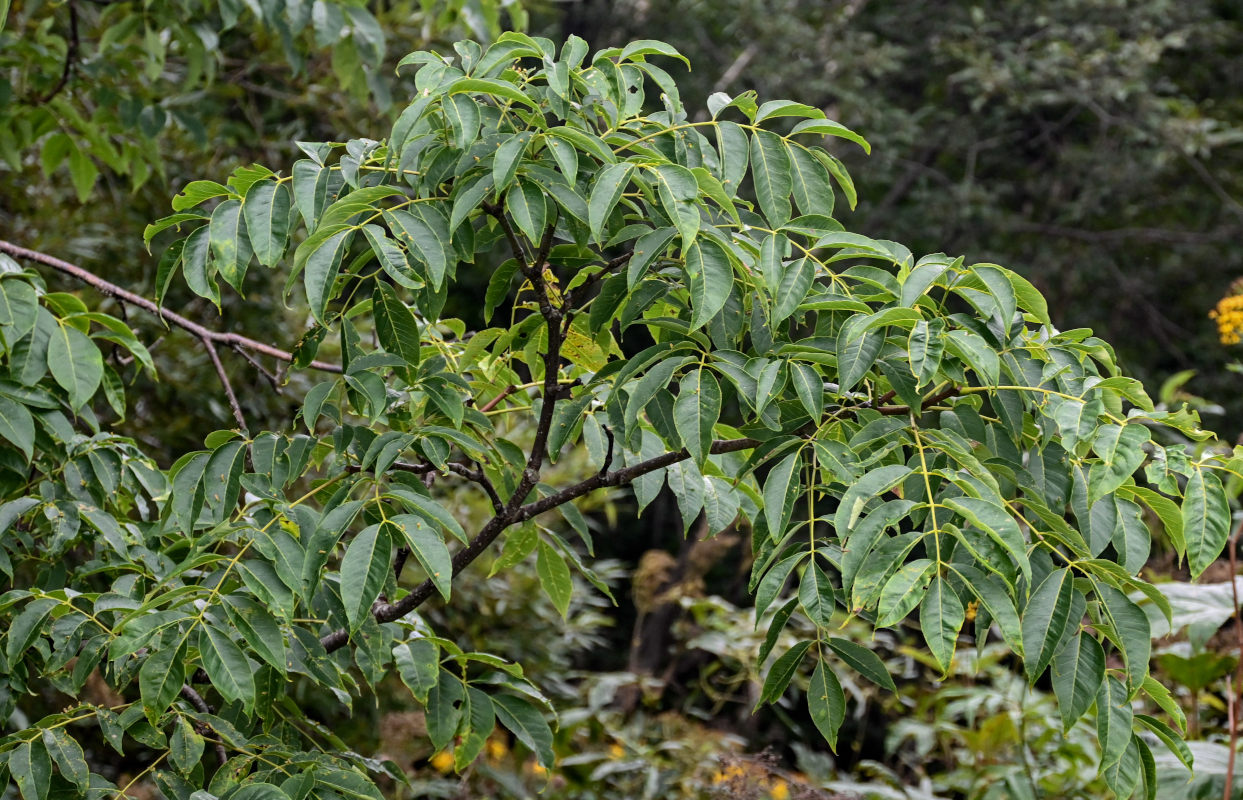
904	438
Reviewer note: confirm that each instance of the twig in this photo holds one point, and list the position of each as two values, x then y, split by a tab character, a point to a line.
230	340
496	401
71	57
1232	698
228	387
477	476
577	295
262	370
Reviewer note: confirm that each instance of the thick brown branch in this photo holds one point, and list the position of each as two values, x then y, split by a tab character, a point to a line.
230	340
517	513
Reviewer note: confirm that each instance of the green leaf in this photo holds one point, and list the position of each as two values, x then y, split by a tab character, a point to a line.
31	769
770	174
640	48
827	127
1078	669
1134	632
998	524
605	192
491	88
1170	738
160	679
266	210
696	411
855	499
647	249
364	568
585	141
1121	450
428	548
815	595
322	265
781	672
940	618
504	165
995	278
230	246
826	702
527	206
18	426
395	325
1045	619
481	721
68	757
781	487
709	277
734	150
813	192
796	280
1206	519
863	661
855	355
972	349
554	577
925	346
463	116
259	629
424	241
186	746
526	723
227	667
418	663
197	267
196	192
26	628
678	192
75	363
1113	720
809	387
904	591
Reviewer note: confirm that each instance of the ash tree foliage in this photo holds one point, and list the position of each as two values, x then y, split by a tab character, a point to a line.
908	440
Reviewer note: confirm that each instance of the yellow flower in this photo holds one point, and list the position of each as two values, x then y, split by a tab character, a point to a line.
442	762
497	748
780	790
1229	314
616	751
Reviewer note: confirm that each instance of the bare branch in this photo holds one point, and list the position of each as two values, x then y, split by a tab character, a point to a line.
228	387
230	340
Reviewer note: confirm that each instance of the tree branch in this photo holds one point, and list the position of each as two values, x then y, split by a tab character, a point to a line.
577	295
233	341
228	387
518	513
71	57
